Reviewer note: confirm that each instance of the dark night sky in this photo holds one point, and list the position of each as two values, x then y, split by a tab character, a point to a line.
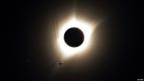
122	60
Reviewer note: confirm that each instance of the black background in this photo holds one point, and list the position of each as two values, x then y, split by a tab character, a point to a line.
124	61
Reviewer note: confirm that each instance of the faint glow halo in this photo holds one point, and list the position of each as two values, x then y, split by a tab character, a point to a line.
87	29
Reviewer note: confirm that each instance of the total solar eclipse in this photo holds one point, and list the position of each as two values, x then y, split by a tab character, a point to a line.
74	37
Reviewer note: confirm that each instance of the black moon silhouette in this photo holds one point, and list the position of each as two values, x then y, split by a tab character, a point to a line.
74	37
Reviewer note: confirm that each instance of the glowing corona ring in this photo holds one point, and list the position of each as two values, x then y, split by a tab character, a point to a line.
68	51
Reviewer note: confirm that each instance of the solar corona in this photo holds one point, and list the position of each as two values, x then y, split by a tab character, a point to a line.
74	37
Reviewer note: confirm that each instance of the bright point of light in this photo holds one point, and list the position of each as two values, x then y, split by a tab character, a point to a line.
86	28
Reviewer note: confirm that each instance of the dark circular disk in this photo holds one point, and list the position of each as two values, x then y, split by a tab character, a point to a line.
74	37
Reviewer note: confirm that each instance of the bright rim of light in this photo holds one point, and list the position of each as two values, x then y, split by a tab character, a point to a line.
68	51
